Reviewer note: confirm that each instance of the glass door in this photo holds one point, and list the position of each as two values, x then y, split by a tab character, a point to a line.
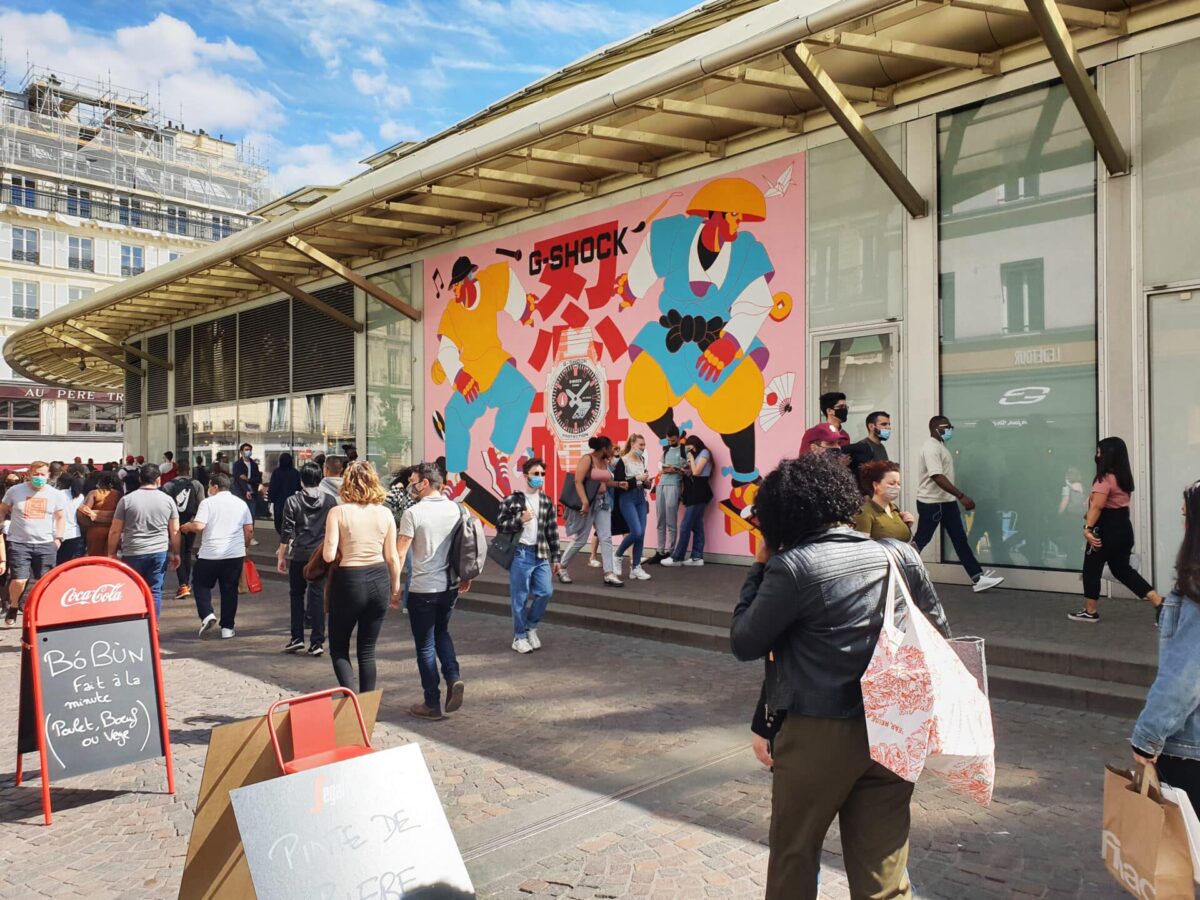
1174	419
865	366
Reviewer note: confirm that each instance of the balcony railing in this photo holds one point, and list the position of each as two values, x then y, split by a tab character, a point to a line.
198	224
130	271
29	256
25	312
86	264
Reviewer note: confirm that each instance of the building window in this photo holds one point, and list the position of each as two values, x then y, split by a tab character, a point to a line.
81	254
129	212
390	339
79	293
25	300
20	415
133	261
177	219
25	245
24	191
222	227
123	174
79	202
94	417
1023	284
173	255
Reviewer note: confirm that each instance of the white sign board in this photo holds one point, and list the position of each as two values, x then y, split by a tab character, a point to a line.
372	826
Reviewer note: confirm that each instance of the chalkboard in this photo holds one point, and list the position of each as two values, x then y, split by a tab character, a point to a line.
99	696
371	826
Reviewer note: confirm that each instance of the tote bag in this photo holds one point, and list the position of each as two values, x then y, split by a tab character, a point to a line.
1145	841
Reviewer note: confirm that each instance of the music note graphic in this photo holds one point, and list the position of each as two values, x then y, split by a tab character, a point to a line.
438	282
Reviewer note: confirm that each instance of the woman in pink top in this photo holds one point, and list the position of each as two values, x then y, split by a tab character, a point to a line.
1108	531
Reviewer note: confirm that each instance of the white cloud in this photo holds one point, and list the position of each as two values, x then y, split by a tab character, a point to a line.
380	87
345	140
315	164
483	65
571	17
375	57
394	132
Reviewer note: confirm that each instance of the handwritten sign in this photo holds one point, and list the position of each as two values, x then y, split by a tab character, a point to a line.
372	826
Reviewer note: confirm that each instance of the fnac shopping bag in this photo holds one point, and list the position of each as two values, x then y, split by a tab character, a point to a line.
1144	843
924	710
251	582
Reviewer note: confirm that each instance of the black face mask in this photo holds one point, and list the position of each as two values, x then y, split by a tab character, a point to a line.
842	413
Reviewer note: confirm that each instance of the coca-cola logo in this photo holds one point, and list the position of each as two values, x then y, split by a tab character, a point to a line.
104	593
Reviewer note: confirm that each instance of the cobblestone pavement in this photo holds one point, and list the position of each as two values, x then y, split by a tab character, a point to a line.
601	766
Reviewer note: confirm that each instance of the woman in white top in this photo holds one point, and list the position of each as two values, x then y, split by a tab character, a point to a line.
631	469
72	545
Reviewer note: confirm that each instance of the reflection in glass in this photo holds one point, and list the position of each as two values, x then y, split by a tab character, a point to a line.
321	423
390	376
864	369
1017	201
214	433
264	423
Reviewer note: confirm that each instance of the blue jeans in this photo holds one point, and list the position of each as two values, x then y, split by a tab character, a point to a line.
510	395
635	510
429	618
529	588
153	568
930	516
693	527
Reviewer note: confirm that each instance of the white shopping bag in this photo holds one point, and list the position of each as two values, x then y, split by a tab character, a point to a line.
1180	799
924	710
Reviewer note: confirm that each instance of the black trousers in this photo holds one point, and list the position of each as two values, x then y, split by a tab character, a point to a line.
1183	774
211	572
187	543
1116	537
358	598
303	594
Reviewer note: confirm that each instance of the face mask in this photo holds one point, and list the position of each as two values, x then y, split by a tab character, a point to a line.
948	435
414	490
38	481
892	493
885	433
536	481
246	453
841	413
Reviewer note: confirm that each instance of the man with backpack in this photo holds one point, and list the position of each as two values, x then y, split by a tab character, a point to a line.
301	533
441	533
187	494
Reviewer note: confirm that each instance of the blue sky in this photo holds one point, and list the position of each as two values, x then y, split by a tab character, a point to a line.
318	84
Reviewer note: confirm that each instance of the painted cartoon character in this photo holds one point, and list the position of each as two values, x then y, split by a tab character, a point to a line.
704	347
483	373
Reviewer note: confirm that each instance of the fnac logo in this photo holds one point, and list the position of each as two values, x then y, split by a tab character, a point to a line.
1127	874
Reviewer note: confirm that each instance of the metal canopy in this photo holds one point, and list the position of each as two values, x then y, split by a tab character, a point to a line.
712	83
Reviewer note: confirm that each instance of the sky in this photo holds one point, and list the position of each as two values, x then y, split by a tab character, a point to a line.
317	85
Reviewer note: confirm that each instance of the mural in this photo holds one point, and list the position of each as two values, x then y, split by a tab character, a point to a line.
685	308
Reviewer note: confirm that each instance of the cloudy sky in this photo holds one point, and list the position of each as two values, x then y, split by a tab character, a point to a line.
317	84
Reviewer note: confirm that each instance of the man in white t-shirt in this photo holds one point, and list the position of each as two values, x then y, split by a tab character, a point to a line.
938	499
226	529
39	521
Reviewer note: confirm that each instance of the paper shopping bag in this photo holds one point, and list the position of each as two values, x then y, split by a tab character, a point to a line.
1190	822
251	581
1144	842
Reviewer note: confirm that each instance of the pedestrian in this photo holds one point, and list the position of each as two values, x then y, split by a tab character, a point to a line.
531	515
37	515
835	410
332	482
131	477
1168	730
302	534
938	499
400	497
72	547
666	495
187	492
811	607
200	473
226	531
593	483
285	481
823	438
879	430
360	535
168	468
880	517
1108	531
428	528
631	469
247	477
145	525
96	512
695	495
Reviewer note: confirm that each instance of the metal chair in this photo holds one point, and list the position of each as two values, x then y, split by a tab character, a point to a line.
314	737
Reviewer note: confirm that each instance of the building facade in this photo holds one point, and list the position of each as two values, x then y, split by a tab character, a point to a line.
95	188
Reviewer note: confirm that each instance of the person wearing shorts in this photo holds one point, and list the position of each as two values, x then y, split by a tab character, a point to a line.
38	514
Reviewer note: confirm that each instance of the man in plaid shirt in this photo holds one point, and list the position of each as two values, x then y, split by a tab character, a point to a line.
531	515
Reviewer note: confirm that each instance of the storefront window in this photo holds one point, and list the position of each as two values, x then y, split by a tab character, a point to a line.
94	417
264	423
20	415
1017	248
321	423
390	376
214	432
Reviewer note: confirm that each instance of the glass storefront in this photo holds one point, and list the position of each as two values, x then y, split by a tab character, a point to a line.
390	366
1017	265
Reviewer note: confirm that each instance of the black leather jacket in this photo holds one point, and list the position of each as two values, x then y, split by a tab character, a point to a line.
817	609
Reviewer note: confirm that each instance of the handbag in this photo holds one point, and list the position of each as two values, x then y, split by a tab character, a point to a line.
1144	842
503	548
569	496
316	568
250	577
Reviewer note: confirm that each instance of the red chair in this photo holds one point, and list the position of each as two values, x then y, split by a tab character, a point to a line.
314	738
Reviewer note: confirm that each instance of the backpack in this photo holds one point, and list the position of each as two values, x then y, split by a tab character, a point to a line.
468	547
183	491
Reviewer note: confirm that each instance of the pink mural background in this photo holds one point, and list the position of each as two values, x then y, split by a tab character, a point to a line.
569	273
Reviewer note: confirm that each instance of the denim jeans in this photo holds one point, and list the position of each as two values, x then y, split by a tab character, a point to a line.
930	515
529	588
210	572
579	529
429	618
153	568
635	510
693	527
187	545
303	593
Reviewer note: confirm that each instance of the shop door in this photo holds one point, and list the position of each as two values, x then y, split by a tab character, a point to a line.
865	366
1174	419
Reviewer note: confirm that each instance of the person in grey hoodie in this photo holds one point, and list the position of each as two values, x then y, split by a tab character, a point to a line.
302	532
331	484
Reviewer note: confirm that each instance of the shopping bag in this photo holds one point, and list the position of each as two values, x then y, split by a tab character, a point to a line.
1145	842
971	651
924	710
1190	822
251	582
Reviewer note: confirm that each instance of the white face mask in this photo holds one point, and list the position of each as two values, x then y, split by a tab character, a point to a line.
892	492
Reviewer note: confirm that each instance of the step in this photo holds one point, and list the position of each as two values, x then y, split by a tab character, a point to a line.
1055	660
1067	691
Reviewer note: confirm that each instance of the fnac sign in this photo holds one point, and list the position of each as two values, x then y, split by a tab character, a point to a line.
100	588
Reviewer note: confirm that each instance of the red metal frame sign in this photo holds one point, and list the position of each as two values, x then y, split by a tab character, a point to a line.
90	591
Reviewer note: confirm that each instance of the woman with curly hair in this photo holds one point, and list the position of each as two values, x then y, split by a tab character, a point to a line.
812	606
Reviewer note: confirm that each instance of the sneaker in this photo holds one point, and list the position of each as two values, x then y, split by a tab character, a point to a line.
594	563
421	711
315	649
986	581
183	593
1084	616
534	641
670	561
522	645
210	622
10	618
456	490
613	581
226	633
564	577
496	464
253	542
639	573
655	559
454	697
693	562
295	645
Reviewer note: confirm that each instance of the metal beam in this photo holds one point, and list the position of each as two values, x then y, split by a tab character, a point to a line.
586	161
802	60
99	354
651	139
786	81
710	111
365	240
554	184
118	344
439	190
400	225
354	278
202	289
435	212
1057	37
939	56
1075	16
303	296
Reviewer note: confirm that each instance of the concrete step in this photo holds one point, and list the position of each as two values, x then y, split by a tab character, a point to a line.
1067	691
1088	665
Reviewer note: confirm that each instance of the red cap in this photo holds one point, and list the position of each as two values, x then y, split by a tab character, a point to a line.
141	459
823	432
129	458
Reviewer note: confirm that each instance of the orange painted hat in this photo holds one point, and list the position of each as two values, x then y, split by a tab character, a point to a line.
730	195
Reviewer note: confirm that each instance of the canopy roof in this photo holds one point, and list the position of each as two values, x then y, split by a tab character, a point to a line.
725	77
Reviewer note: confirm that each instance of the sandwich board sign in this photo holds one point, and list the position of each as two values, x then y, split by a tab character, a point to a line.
371	826
91	675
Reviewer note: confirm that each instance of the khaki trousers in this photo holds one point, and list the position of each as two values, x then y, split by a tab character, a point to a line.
823	769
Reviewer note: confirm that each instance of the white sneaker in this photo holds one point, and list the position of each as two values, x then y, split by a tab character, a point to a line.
693	562
613	581
522	645
986	580
226	633
594	563
253	542
639	573
669	561
207	625
534	641
564	577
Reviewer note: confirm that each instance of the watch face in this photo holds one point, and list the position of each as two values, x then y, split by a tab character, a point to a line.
577	399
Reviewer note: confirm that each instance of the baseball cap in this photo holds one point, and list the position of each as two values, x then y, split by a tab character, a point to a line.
823	432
